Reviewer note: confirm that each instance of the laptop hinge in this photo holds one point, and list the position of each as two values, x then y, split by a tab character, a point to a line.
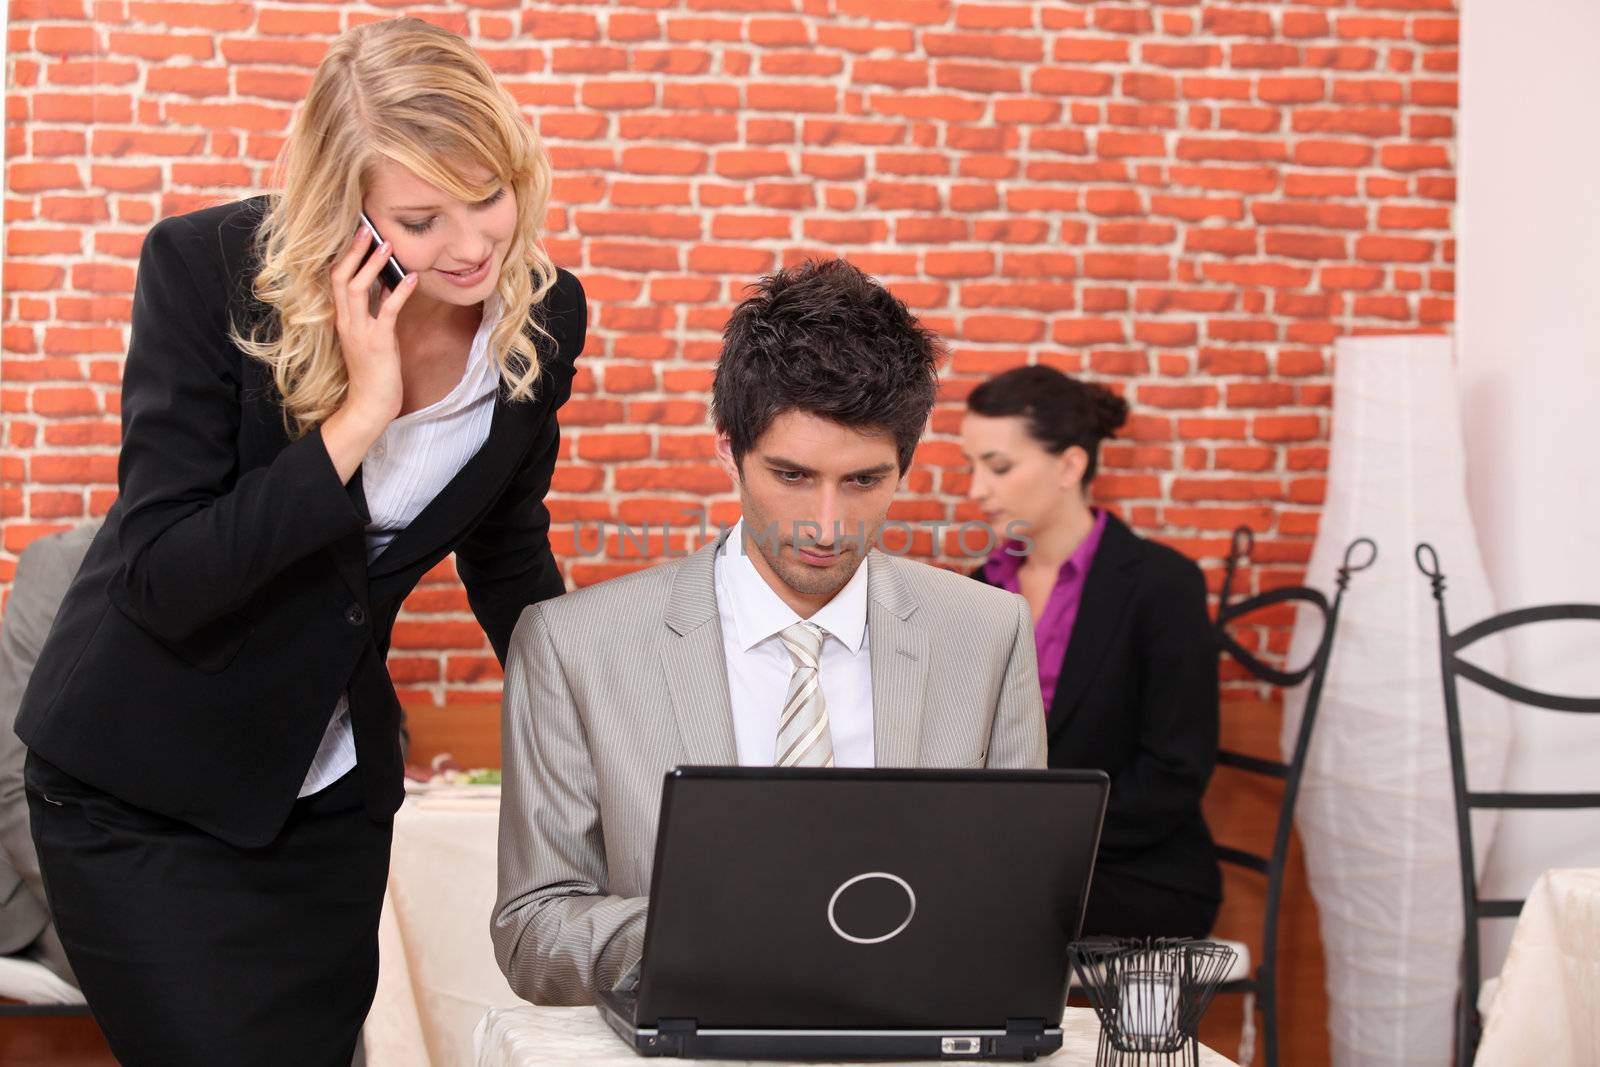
1024	1026
677	1026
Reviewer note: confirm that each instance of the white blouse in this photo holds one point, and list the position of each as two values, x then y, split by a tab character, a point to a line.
414	458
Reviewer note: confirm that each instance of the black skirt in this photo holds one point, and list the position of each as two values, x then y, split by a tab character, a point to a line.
193	951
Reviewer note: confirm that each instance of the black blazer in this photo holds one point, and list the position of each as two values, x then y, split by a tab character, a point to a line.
228	601
1137	698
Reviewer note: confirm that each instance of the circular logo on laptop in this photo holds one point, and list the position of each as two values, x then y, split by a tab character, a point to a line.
866	906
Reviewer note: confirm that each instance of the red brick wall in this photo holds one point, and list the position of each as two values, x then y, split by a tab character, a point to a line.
1187	201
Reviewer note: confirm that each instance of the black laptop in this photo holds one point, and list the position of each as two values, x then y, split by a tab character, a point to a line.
800	913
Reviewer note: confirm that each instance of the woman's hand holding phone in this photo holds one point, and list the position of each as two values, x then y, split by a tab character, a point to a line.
371	354
391	274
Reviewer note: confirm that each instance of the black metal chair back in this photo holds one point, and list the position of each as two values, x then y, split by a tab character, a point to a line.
1452	667
1263	983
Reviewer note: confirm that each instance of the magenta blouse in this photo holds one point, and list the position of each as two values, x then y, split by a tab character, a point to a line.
1054	629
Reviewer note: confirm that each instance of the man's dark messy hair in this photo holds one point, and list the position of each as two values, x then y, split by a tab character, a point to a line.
825	339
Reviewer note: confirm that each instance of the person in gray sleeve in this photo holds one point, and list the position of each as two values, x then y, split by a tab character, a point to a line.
792	640
44	571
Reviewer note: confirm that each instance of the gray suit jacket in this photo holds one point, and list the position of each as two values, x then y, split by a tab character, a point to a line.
610	687
44	571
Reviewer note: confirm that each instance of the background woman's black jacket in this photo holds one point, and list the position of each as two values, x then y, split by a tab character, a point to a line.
1137	698
228	600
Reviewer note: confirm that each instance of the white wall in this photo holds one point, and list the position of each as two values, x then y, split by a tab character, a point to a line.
1528	330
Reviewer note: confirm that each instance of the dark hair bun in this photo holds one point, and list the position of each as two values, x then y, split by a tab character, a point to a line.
1111	410
1060	411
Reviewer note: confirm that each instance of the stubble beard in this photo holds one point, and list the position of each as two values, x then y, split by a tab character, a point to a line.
808	580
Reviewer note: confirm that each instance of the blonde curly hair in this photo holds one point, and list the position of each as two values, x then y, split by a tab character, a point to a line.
410	92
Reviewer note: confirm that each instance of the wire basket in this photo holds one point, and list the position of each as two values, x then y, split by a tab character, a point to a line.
1149	995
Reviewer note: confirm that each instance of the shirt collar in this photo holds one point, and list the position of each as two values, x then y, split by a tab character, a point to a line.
759	613
479	378
1004	563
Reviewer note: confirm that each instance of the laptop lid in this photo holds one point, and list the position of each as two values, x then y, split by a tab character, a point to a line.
803	898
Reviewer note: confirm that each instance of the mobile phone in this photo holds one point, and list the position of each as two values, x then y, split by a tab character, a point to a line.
392	273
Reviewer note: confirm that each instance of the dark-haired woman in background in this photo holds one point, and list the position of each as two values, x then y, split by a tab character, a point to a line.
1127	662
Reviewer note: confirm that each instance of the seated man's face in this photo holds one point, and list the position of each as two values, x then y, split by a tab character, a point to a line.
814	494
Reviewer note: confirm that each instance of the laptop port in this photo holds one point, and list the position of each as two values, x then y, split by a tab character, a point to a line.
960	1046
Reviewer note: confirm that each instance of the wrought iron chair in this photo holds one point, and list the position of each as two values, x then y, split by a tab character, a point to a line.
1451	667
1262	983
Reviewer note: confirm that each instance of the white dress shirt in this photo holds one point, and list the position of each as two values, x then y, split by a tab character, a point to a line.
411	461
752	617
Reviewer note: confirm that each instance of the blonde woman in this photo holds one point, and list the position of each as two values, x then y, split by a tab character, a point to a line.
214	738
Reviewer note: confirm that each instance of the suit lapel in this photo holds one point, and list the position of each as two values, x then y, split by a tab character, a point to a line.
1107	591
694	663
899	651
514	428
462	499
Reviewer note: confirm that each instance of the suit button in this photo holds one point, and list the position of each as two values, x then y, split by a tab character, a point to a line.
355	615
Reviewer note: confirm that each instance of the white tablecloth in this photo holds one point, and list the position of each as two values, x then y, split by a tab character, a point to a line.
437	974
570	1037
1546	1007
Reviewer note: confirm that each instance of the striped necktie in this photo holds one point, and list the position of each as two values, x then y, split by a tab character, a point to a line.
803	737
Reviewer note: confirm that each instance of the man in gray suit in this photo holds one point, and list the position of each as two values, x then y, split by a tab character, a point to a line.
791	640
44	571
